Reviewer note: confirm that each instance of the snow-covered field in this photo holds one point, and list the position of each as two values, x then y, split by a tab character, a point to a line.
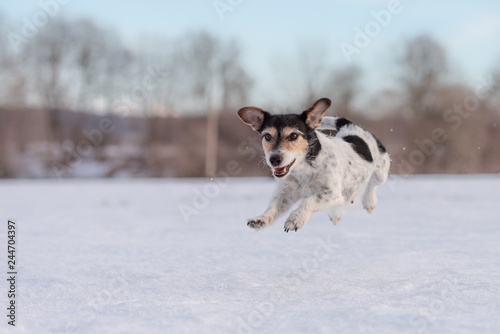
117	256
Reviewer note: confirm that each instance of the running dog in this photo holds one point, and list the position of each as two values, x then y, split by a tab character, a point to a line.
325	173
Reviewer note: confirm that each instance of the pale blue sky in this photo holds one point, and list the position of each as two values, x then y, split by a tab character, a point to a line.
267	30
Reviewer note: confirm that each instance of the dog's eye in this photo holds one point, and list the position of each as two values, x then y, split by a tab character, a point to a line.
268	137
293	136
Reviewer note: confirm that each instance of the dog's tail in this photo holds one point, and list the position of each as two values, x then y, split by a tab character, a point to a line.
333	123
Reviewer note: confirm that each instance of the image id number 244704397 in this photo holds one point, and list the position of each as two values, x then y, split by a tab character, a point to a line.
11	272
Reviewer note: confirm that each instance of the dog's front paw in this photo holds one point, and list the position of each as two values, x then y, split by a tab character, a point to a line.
335	220
260	222
294	222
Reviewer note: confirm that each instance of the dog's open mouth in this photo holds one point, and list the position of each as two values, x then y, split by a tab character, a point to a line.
282	171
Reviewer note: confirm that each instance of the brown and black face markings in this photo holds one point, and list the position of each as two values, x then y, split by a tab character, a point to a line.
289	139
289	132
269	137
294	132
292	140
279	143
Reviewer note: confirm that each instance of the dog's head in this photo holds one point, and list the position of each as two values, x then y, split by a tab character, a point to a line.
287	139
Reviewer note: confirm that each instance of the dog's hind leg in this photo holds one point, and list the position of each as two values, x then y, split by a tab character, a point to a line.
378	177
336	212
370	196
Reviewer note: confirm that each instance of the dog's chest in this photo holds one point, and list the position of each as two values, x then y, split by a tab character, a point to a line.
306	180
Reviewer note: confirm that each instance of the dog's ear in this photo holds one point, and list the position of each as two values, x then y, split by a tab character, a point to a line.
252	116
314	115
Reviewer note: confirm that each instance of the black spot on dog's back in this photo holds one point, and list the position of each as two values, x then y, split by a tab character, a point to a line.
341	122
360	146
380	146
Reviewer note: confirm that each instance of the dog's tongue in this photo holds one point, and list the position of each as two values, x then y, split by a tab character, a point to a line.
279	170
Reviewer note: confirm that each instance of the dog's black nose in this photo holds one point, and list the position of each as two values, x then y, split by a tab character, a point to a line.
275	160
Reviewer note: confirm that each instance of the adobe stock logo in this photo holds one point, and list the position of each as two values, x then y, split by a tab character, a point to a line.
48	8
371	30
223	6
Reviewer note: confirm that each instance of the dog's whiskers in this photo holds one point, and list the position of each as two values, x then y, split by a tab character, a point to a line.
263	162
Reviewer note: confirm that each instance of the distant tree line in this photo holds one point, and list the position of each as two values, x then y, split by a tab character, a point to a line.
162	89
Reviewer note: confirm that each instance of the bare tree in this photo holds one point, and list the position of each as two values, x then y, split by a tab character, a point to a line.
103	65
90	59
202	58
13	73
4	58
215	78
344	87
53	51
235	82
75	64
315	72
51	54
310	76
3	47
307	77
159	61
4	124
422	66
494	89
199	54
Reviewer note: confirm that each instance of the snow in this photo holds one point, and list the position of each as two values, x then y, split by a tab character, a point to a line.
117	256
